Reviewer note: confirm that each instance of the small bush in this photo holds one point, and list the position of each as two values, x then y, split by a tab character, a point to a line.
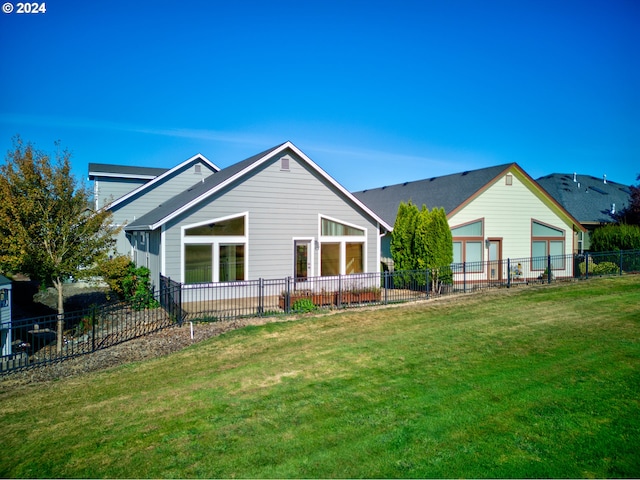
303	305
114	271
582	266
604	268
129	282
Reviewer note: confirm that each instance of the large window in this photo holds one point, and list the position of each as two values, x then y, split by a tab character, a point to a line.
342	248
215	251
468	245
547	240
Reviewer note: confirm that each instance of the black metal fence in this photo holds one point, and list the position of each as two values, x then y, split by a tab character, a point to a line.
42	340
49	339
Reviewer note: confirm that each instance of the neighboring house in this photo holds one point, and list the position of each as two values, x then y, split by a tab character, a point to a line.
5	316
593	201
274	215
130	192
494	213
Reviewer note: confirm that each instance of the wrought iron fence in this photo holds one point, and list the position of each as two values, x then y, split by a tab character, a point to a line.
54	338
49	339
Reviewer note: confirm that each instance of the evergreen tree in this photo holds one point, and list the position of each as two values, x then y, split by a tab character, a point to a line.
421	240
402	237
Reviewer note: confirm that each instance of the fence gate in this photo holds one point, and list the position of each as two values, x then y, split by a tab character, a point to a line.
171	298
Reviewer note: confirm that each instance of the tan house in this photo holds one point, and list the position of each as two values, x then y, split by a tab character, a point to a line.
494	213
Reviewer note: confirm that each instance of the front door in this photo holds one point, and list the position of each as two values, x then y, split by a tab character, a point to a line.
495	260
302	260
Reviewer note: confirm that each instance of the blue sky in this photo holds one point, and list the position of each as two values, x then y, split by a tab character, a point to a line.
374	92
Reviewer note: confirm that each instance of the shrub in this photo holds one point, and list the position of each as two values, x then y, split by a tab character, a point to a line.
582	266
129	282
303	305
113	271
604	268
610	238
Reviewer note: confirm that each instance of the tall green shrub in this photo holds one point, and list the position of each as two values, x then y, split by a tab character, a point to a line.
610	238
440	248
422	240
130	283
402	250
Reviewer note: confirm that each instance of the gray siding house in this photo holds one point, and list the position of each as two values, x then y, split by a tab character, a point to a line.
130	192
274	215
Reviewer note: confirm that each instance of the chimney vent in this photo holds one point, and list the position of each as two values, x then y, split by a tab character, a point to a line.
575	177
604	178
613	209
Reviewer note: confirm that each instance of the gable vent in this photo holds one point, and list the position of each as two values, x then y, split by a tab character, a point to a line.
284	163
197	169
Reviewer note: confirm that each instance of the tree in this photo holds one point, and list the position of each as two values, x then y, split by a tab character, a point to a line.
631	213
47	230
422	240
439	247
402	250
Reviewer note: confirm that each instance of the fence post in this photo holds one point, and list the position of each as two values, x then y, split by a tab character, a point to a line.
586	265
287	297
508	273
620	262
339	299
386	286
427	289
464	277
548	268
260	296
93	329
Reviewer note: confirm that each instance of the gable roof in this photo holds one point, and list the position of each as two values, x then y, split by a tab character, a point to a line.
4	280
452	192
214	183
587	198
123	171
448	192
161	177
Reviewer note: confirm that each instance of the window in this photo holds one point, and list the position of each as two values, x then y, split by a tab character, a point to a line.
547	240
198	261
4	297
335	229
342	248
215	251
468	245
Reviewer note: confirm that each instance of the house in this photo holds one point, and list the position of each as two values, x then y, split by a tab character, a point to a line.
593	201
276	214
5	316
130	192
494	213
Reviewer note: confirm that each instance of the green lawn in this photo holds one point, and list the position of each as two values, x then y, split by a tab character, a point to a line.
526	382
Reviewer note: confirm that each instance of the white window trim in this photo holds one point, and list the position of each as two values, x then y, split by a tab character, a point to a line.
343	240
312	242
215	242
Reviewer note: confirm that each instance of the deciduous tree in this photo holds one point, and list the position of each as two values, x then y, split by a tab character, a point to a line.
47	230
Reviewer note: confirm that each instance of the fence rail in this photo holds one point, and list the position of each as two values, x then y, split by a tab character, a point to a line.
42	340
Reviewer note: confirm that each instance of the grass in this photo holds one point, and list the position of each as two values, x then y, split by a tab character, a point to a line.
532	382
